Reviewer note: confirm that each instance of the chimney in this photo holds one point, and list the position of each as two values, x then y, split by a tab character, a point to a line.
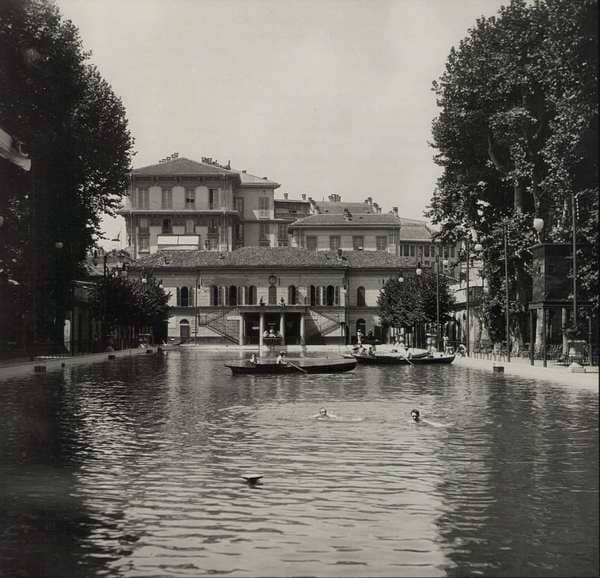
395	211
375	208
285	196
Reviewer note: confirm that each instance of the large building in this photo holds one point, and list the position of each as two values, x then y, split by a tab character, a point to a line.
308	296
236	260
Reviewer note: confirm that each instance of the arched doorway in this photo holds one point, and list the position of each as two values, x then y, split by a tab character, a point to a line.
330	295
184	329
272	295
361	326
292	295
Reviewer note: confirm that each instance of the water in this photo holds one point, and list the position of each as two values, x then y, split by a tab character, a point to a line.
132	468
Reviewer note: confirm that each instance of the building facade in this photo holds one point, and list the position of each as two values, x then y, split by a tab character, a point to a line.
308	297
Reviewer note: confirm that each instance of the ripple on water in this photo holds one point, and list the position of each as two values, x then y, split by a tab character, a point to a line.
133	469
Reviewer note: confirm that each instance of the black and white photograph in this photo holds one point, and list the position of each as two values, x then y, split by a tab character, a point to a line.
299	288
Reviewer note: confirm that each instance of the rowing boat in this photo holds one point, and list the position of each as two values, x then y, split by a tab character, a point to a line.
304	365
399	359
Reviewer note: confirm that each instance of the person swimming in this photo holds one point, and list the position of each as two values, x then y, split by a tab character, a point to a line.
324	415
415	415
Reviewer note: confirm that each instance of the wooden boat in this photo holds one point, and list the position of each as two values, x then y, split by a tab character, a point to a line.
395	358
304	365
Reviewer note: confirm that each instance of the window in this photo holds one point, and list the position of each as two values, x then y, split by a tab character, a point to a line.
360	296
311	243
337	295
263	207
214	295
144	243
358	242
282	235
251	295
381	243
190	199
412	250
263	235
330	295
405	250
211	244
167	199
190	226
313	295
446	252
292	295
166	227
232	295
238	234
272	295
334	243
212	198
426	251
452	254
238	205
184	297
144	230
143	199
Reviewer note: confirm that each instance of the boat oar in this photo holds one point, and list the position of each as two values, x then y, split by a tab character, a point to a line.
296	366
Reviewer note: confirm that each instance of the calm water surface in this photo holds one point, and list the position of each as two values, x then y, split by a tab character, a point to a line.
132	468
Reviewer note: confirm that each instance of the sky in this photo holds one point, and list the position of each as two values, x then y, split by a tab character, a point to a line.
322	96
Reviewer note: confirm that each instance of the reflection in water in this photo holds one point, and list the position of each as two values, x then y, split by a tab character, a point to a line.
133	468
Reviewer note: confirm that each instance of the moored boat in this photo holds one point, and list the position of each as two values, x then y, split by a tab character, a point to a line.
304	365
378	358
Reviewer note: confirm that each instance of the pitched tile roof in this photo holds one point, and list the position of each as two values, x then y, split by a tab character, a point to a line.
182	166
413	230
248	179
268	257
358	220
339	207
185	167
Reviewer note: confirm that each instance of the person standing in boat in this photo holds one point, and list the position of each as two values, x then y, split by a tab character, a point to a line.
281	358
253	360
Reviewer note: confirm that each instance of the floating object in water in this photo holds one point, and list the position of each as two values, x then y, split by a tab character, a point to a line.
251	479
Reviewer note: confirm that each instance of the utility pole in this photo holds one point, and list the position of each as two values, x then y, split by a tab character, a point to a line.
468	308
437	302
574	224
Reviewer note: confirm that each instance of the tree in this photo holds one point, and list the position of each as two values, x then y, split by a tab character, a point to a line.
517	136
413	301
75	130
121	303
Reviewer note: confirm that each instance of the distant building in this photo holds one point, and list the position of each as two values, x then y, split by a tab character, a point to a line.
221	242
190	205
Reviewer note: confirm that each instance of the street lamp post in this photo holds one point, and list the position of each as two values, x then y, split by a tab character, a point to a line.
419	271
505	235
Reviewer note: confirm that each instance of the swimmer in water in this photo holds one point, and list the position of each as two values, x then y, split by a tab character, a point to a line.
416	417
324	415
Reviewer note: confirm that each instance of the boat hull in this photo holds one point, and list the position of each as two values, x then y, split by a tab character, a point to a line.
307	366
382	359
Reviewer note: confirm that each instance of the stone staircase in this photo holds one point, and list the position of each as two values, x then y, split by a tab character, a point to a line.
219	323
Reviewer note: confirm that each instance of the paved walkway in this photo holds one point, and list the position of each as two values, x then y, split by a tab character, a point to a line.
521	368
23	367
